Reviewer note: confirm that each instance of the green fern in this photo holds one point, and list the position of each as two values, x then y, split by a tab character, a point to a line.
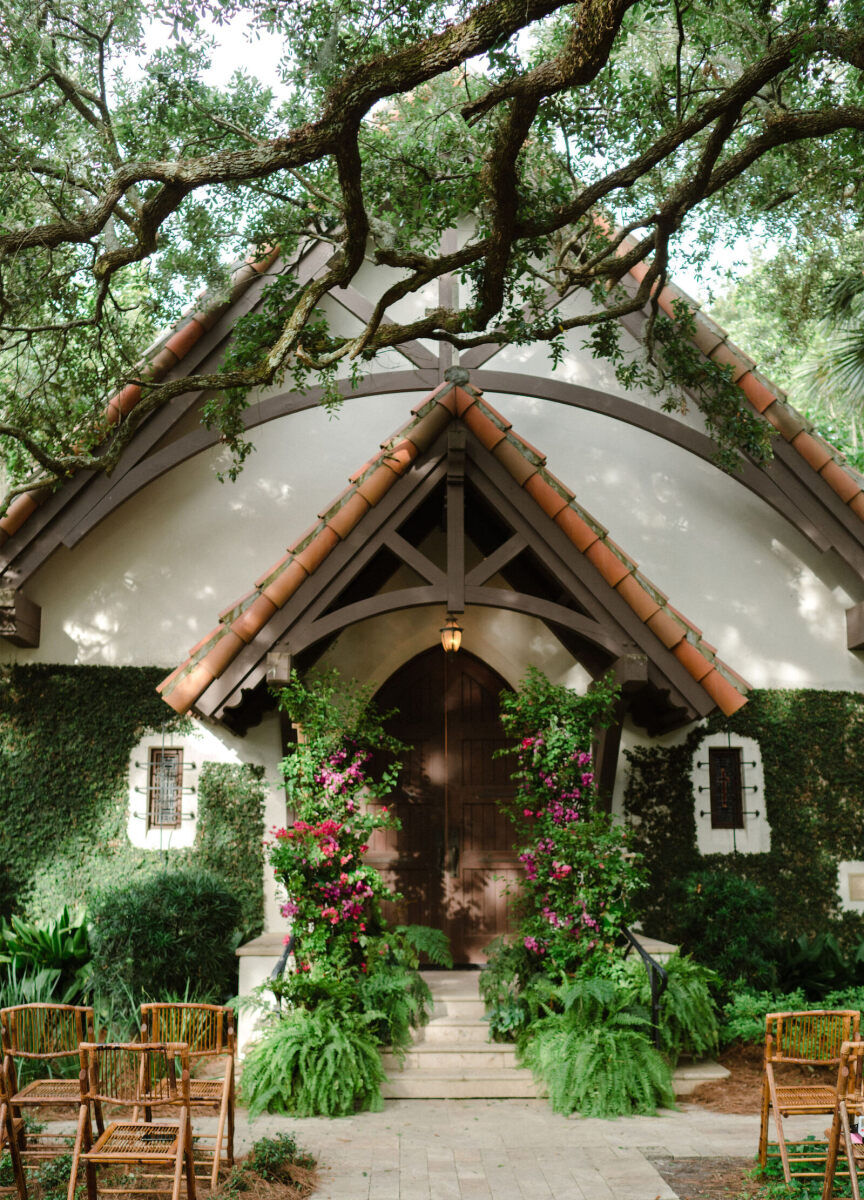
606	1070
689	1022
434	943
321	1063
402	998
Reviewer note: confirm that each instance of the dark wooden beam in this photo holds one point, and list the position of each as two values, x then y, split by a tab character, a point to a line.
855	627
416	560
494	562
456	436
20	618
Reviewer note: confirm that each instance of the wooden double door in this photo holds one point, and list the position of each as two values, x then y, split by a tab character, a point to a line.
453	858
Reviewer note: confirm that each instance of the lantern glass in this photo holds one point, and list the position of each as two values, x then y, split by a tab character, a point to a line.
451	635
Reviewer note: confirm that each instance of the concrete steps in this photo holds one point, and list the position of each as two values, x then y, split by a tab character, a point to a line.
453	1059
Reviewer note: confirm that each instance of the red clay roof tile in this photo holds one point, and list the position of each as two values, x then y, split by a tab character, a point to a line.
694	662
347	516
317	549
810	448
228	614
283	586
667	629
537	456
464	399
546	495
162	362
840	481
726	357
400	457
784	420
641	601
483	427
222	653
126	398
684	620
375	486
18	512
512	458
578	531
756	392
272	571
186	691
169	679
429	428
252	620
607	562
727	698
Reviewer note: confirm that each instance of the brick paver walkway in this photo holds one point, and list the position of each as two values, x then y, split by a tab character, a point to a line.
507	1150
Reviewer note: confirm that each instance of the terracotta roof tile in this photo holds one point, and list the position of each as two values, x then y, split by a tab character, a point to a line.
18	512
317	549
127	398
347	516
337	503
429	399
252	620
840	481
578	531
756	392
640	600
375	486
400	457
607	562
856	504
693	660
228	614
546	494
161	363
429	428
727	698
186	690
464	399
222	653
512	458
483	427
812	449
726	357
283	585
537	456
448	400
667	629
185	338
169	679
494	415
684	620
785	421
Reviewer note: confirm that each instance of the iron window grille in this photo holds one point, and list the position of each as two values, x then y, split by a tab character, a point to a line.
164	787
727	793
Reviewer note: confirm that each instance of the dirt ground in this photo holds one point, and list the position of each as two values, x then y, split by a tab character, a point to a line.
708	1178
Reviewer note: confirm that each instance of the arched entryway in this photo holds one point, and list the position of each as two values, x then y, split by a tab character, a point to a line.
453	858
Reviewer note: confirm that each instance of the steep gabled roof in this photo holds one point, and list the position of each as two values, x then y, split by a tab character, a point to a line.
550	500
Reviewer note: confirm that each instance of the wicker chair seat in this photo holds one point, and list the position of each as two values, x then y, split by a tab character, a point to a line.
49	1091
806	1098
205	1091
151	1142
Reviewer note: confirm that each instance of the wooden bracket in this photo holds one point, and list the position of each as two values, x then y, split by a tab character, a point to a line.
20	618
277	668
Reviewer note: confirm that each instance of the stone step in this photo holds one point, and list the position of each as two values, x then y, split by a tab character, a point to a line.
453	1030
468	1057
471	1008
688	1075
460	1085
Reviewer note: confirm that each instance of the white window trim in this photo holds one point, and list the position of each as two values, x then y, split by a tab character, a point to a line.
163	837
755	836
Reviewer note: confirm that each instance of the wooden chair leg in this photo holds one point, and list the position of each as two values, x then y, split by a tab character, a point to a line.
231	1101
90	1176
7	1125
831	1158
763	1125
850	1154
778	1121
220	1130
180	1162
80	1136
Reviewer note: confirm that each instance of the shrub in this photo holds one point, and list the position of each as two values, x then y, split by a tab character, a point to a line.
314	1063
269	1157
727	923
171	934
61	946
688	1019
743	1016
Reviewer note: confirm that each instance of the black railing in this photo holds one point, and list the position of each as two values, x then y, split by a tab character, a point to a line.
657	977
279	970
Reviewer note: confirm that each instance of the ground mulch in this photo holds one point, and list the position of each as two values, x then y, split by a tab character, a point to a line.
741	1091
708	1178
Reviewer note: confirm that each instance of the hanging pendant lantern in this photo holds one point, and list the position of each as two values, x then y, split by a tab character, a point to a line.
451	635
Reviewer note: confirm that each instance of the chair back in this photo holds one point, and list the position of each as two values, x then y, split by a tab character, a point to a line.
207	1029
45	1031
134	1073
809	1037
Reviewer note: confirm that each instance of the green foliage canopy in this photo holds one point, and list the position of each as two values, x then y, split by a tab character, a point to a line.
582	139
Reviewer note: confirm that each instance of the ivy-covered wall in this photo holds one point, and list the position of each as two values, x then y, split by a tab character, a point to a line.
66	734
812	747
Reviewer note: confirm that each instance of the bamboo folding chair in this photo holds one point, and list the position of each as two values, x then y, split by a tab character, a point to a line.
208	1030
40	1035
804	1038
849	1102
10	1134
133	1075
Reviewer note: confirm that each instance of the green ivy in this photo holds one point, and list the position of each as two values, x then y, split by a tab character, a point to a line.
66	734
812	752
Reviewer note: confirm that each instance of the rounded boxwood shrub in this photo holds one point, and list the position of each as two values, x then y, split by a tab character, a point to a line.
168	936
728	923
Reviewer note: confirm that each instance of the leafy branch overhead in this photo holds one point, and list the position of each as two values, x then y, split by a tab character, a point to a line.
568	142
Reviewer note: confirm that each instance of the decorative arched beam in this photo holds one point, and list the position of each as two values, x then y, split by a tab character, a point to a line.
286	403
305	635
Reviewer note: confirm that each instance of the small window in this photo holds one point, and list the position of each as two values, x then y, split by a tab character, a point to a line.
727	808
164	787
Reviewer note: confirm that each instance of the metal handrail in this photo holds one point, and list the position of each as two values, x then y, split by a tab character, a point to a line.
657	977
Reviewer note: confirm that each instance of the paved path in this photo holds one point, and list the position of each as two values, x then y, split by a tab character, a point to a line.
507	1150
